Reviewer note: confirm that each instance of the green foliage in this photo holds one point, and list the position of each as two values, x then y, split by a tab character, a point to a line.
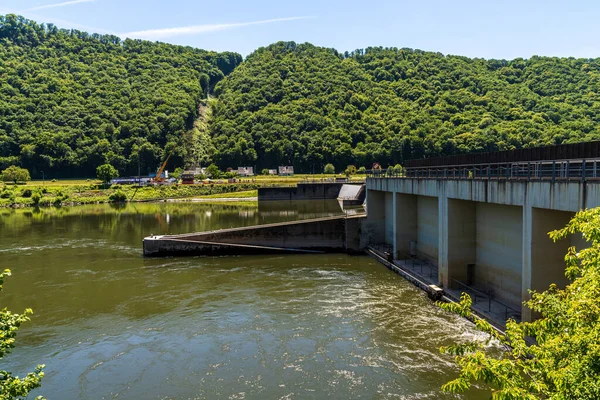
15	174
306	106
26	193
71	100
118	197
564	361
106	172
213	171
265	171
362	170
5	193
12	387
350	170
177	173
329	169
35	198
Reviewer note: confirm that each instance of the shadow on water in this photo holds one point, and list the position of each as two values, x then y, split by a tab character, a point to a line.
110	323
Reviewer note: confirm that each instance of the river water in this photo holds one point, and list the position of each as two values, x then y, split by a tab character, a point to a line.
110	324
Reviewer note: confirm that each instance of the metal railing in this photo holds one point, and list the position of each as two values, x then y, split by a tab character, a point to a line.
418	265
557	170
488	296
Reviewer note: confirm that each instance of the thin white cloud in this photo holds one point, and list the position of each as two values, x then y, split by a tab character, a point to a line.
157	34
63	4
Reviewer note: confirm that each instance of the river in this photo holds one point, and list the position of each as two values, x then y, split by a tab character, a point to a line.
110	324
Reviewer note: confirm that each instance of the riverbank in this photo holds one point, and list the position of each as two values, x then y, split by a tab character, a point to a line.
66	195
89	191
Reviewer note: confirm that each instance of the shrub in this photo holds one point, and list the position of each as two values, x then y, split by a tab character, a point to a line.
26	193
350	170
264	172
329	169
118	197
35	198
53	180
362	170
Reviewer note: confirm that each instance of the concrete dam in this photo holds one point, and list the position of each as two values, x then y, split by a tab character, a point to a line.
480	228
483	227
340	233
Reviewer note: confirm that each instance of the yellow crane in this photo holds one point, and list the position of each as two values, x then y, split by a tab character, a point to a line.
158	178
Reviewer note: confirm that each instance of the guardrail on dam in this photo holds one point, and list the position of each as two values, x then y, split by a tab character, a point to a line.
484	226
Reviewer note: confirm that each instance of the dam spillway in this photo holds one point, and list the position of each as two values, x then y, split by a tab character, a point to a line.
330	234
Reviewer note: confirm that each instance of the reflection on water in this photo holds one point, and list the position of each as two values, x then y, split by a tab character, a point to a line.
109	323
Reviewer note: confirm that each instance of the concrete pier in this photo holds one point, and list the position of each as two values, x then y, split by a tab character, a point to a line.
332	234
488	234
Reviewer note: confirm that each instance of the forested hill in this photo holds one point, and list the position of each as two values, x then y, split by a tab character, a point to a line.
308	106
70	101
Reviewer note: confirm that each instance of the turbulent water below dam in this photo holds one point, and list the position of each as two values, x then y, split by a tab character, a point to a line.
110	324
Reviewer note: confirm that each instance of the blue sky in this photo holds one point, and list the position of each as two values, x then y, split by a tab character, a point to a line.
484	28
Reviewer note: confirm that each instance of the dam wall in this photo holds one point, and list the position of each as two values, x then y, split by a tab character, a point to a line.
332	234
304	191
488	234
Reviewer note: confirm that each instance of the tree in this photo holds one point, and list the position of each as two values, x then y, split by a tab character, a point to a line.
15	174
177	173
213	171
106	172
12	387
350	170
564	362
329	169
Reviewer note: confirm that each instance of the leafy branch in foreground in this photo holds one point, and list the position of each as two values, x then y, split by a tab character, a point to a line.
564	362
12	387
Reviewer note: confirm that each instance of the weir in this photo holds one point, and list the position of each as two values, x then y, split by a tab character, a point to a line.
331	234
483	227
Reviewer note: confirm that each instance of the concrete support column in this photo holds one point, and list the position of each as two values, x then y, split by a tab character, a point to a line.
389	218
405	223
443	239
527	270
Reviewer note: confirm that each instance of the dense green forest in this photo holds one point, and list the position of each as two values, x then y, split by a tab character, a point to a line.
70	101
306	105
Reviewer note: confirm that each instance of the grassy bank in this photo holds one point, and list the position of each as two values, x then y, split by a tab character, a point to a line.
93	193
236	195
90	191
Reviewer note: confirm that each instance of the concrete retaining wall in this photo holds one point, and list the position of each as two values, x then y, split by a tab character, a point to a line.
304	191
334	234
